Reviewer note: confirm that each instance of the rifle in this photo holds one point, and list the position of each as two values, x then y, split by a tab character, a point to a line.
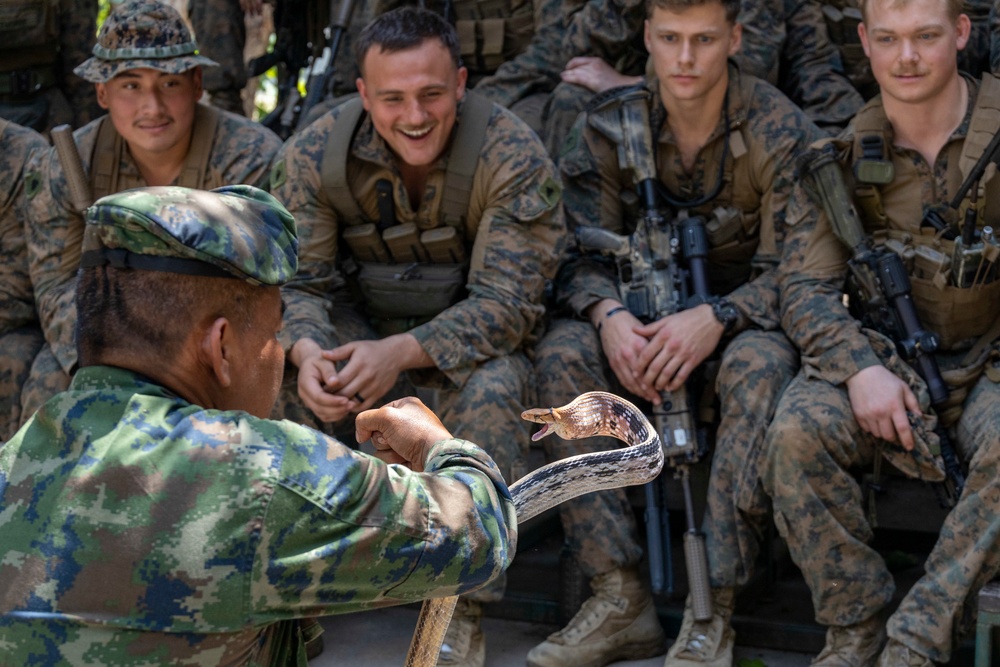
885	289
299	44
661	269
76	176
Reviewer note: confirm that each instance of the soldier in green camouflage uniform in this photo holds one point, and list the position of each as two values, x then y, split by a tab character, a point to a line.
785	42
152	514
857	401
41	41
737	173
20	335
148	77
464	336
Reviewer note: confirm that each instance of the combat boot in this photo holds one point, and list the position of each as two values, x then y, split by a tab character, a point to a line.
618	622
706	643
855	645
899	655
464	644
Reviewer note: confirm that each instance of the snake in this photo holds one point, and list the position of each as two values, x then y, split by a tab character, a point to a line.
590	414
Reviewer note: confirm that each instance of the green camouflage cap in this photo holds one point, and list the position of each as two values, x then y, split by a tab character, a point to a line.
237	231
142	33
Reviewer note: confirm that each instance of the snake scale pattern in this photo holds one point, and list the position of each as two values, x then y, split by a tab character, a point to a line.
590	414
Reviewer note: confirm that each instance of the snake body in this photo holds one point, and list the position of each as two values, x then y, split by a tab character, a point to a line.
590	414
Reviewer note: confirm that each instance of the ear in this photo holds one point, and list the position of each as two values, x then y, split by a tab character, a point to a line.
645	36
363	92
102	95
215	351
863	36
964	28
736	39
463	77
196	80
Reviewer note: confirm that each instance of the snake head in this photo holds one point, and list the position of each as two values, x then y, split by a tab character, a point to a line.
547	417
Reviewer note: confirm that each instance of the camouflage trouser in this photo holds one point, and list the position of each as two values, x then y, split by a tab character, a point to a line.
967	553
17	350
756	368
220	31
813	442
599	527
47	379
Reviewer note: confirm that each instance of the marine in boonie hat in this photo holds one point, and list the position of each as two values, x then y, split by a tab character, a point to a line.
237	231
142	34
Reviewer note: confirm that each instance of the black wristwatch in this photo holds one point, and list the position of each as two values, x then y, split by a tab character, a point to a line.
726	313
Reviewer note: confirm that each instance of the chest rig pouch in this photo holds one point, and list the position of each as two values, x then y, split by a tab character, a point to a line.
403	275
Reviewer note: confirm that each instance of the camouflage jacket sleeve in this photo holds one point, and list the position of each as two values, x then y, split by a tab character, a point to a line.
812	273
296	182
220	521
781	132
345	532
520	233
242	152
814	76
55	236
17	303
604	29
592	185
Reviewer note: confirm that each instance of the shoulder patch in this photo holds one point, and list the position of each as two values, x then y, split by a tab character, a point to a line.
279	174
550	191
32	183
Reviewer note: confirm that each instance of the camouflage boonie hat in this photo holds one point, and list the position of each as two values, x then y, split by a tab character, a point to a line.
142	33
237	231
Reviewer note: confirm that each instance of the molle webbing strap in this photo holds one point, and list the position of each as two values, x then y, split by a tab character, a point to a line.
464	158
109	148
870	127
206	121
105	160
333	172
985	123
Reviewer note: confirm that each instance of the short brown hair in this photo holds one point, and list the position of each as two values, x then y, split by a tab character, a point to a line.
732	7
955	7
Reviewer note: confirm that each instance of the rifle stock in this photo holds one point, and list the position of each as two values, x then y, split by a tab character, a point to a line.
76	177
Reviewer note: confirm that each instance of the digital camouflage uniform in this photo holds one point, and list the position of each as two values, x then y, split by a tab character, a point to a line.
765	132
513	229
814	439
530	82
221	32
20	334
119	479
239	151
37	86
786	43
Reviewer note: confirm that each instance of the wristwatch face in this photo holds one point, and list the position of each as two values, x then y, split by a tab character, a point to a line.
726	313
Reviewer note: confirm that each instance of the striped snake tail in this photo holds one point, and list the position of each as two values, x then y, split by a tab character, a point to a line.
590	414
